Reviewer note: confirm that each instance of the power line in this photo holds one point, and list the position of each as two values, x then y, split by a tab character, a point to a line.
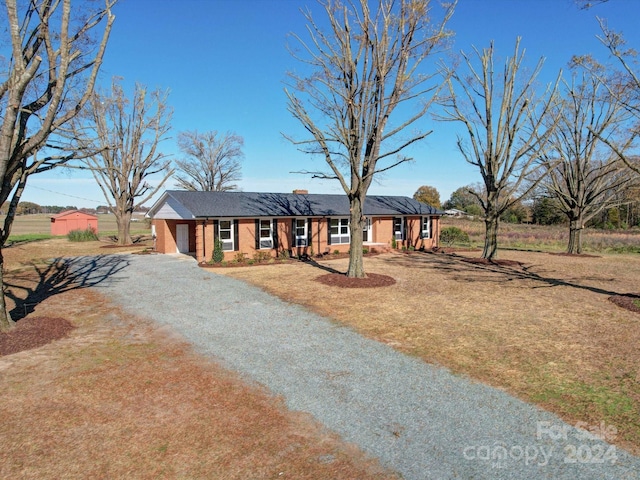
66	194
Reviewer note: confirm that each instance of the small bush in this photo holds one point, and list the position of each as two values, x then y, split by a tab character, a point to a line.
365	251
284	254
451	235
336	252
261	257
218	253
88	235
239	257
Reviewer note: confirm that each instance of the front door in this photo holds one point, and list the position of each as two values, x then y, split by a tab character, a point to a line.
182	238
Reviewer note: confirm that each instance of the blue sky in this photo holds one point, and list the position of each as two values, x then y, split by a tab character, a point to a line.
225	62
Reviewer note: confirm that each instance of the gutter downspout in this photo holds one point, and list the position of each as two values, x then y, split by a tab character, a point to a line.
204	240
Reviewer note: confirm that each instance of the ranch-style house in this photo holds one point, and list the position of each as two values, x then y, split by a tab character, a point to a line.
297	223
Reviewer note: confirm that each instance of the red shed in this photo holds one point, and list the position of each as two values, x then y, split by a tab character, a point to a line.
65	222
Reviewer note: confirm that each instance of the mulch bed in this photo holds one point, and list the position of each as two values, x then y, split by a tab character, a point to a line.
565	254
372	280
34	332
627	301
230	264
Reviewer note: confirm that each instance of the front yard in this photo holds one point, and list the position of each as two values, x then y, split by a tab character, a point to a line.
542	329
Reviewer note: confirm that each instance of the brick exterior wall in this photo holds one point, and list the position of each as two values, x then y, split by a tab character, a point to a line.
201	237
166	236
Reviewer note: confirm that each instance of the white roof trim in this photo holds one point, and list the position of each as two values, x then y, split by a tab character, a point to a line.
171	209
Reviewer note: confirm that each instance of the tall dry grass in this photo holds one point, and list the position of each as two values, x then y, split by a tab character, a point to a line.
549	238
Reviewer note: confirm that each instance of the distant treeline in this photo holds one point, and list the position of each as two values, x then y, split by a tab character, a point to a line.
30	208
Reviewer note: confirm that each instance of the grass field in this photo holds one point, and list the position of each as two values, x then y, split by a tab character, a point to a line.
41	224
552	238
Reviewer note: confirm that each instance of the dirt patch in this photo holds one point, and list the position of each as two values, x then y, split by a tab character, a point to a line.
372	280
577	255
454	249
496	261
630	302
114	246
34	332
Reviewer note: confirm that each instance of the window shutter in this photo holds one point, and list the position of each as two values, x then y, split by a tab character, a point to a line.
236	247
215	231
257	234
328	231
309	224
275	234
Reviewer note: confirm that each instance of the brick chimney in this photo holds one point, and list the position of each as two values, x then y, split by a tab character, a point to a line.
301	192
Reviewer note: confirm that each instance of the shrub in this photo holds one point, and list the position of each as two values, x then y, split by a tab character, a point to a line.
283	254
218	253
451	235
336	252
239	257
261	257
365	251
87	235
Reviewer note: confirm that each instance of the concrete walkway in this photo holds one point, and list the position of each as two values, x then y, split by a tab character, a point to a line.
419	420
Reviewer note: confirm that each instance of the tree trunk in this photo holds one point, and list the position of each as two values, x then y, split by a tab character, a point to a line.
356	260
5	319
123	220
491	237
575	236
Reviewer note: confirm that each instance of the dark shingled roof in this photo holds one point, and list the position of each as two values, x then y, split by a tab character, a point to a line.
246	204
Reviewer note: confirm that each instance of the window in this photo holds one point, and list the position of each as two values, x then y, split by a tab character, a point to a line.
225	234
398	228
266	234
426	227
339	230
300	227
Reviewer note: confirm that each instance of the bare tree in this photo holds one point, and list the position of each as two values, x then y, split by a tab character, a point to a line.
366	66
56	53
507	130
125	137
211	162
589	177
619	84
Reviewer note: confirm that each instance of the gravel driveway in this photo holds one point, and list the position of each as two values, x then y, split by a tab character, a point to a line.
418	419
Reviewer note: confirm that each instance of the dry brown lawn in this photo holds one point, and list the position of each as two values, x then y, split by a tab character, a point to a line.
121	398
544	331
